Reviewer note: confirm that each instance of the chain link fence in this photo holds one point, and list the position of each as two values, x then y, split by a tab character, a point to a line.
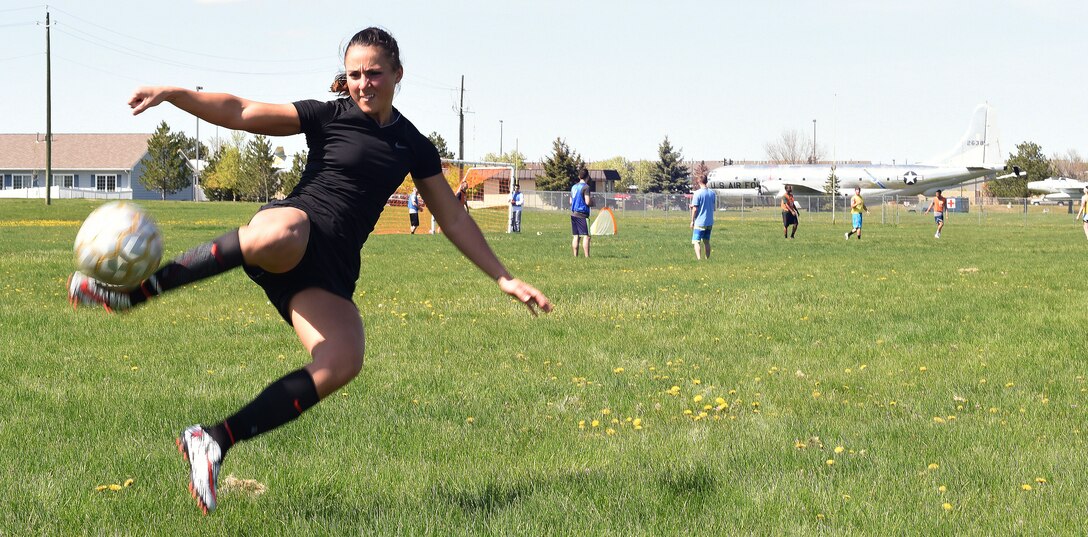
829	209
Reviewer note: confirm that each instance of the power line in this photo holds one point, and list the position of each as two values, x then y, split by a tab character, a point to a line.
37	6
120	49
247	60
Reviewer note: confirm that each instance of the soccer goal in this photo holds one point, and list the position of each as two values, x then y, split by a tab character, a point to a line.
488	190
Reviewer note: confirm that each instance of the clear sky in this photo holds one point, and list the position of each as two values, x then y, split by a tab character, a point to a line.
883	80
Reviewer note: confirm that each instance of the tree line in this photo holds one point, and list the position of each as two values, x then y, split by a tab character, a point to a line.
242	168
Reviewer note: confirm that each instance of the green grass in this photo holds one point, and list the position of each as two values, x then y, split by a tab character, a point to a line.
966	353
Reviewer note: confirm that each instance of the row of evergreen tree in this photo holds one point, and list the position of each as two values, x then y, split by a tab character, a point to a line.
242	169
239	170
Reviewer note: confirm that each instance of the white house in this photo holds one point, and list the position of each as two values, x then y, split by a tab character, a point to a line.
105	166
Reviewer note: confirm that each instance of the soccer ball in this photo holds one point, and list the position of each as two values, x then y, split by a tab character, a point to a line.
118	245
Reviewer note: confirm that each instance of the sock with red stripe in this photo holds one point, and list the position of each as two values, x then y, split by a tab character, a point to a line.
279	403
204	261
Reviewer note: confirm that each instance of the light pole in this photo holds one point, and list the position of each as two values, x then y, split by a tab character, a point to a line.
196	167
814	141
500	137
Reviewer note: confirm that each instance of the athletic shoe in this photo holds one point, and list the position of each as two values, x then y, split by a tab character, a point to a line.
204	457
846	236
83	289
936	235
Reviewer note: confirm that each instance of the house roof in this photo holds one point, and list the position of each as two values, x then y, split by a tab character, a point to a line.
73	151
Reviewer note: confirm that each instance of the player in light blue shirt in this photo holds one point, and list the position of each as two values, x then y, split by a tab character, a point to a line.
413	210
702	218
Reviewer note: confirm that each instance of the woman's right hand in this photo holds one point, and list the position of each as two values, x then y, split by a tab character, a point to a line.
145	97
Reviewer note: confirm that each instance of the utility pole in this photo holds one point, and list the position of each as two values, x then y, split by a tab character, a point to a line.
500	138
196	167
461	134
48	118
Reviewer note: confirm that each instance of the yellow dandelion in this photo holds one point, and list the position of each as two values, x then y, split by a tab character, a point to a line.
846	497
719	400
830	462
938	419
819	516
942	489
946	506
606	411
115	487
581	424
1040	480
128	482
696	382
101	487
923	369
618	370
610	431
595	423
799	444
470	419
815	394
1025	486
1009	385
697	398
839	449
933	466
687	412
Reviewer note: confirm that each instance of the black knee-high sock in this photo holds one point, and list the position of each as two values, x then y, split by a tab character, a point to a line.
208	259
279	403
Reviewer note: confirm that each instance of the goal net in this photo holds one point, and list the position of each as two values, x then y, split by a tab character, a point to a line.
487	195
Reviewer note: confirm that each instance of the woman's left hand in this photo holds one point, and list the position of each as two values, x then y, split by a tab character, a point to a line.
526	294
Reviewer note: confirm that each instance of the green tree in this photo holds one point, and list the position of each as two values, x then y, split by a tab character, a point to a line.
290	178
622	166
832	184
440	144
670	175
641	172
259	180
166	169
1030	159
223	174
561	168
513	157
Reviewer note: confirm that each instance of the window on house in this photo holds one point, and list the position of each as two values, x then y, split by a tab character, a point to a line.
22	181
64	180
105	182
504	185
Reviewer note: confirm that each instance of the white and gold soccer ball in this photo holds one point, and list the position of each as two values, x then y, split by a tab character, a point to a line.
118	245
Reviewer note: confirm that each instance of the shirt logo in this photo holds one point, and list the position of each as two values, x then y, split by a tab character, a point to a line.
399	145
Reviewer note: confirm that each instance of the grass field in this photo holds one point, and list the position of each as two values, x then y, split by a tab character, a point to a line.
894	385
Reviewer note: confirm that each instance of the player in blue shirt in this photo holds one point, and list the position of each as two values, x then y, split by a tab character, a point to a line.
579	213
413	210
702	218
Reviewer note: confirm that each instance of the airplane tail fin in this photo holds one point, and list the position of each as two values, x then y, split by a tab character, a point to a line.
980	146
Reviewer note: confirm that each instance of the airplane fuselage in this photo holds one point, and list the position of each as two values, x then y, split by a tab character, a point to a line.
873	179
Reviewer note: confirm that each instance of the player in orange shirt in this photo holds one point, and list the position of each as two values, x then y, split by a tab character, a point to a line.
937	205
789	213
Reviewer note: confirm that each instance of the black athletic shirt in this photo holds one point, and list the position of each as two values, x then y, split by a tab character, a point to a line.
353	166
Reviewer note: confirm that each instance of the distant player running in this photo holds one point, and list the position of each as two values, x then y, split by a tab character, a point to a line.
1082	214
789	213
857	209
303	250
702	218
938	205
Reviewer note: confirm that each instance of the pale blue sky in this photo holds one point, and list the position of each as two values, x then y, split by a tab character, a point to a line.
883	80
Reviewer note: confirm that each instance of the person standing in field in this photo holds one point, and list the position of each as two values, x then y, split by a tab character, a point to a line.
1082	213
580	203
938	206
789	213
702	218
857	208
413	210
304	250
462	194
517	200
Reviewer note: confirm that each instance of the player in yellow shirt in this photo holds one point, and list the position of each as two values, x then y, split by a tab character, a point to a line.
857	208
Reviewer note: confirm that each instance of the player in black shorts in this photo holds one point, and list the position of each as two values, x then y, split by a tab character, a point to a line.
304	250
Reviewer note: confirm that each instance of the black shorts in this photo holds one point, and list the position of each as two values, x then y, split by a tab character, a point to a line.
414	219
579	224
789	219
327	265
